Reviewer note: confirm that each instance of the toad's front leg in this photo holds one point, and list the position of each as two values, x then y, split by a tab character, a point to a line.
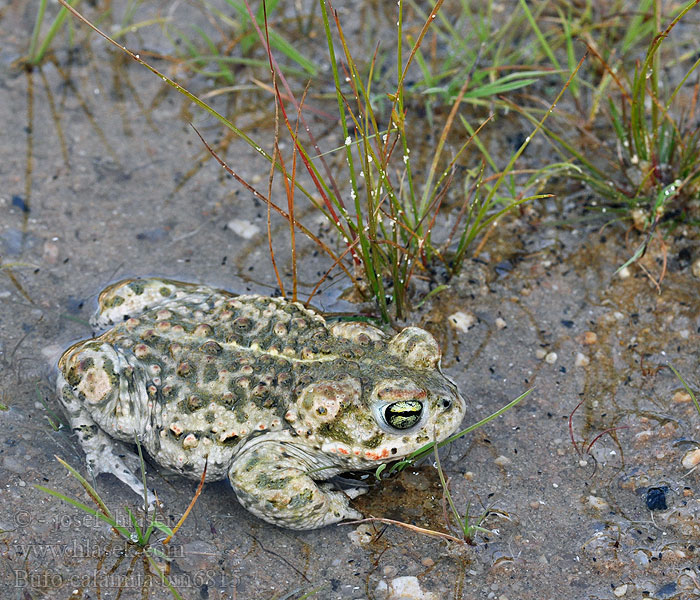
274	481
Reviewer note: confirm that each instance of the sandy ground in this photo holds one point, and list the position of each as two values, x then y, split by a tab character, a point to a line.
103	178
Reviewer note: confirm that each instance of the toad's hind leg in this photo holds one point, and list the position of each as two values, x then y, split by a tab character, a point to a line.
102	453
275	484
99	388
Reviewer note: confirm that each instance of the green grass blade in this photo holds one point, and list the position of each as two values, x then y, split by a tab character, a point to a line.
686	386
164	528
36	56
140	540
540	36
37	29
140	25
88	488
88	509
282	45
639	27
163	578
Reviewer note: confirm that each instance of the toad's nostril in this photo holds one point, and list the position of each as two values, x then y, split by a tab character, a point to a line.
446	403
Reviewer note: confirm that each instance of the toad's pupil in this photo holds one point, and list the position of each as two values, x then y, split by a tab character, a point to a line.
404	414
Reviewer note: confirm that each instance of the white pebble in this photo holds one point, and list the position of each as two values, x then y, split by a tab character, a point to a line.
691	459
502	461
500	323
243	228
597	503
551	358
540	353
620	590
403	588
625	273
363	535
462	321
581	360
695	268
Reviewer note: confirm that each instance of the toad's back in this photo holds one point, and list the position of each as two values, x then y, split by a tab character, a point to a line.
193	373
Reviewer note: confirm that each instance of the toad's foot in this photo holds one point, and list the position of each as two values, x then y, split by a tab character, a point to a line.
272	481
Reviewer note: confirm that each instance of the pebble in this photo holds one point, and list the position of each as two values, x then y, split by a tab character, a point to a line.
625	273
540	353
695	268
551	358
597	503
691	459
403	588
502	461
588	338
500	323
581	360
243	228
427	562
362	535
50	255
462	321
681	396
620	590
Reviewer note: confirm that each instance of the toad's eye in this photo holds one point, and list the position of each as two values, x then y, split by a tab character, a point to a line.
404	414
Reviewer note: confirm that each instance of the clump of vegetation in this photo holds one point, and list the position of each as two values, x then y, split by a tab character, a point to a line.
141	534
648	174
386	218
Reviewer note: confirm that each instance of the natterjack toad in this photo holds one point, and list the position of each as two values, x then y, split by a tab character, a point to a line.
263	390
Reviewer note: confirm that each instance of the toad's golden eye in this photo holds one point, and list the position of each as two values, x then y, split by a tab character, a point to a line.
404	414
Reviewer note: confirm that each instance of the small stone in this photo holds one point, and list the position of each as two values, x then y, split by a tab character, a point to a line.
502	461
620	590
469	475
695	268
691	459
243	228
581	360
681	396
624	273
427	562
462	321
403	588
50	255
363	535
588	338
656	498
597	503
540	353
500	323
551	358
